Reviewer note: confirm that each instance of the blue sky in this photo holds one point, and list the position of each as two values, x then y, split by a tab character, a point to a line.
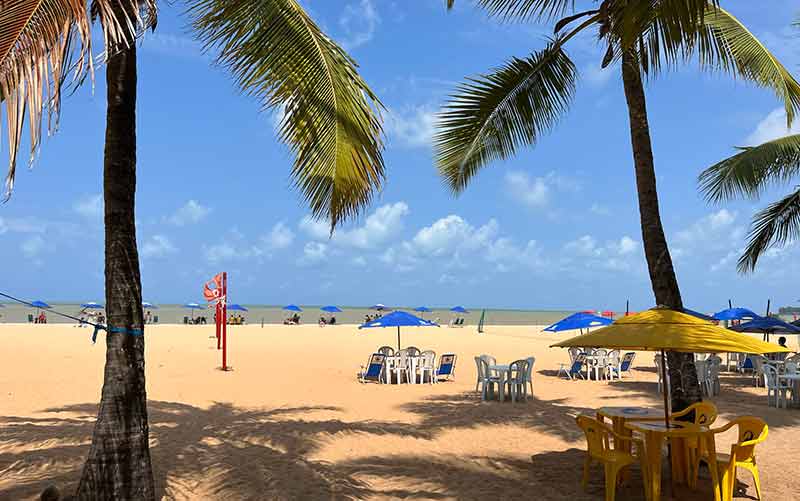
555	227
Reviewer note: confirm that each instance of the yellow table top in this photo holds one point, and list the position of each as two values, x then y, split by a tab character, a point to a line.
633	413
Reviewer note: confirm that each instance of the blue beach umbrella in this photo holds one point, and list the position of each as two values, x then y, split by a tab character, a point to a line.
379	307
292	307
149	306
459	309
580	321
236	307
423	309
767	326
331	309
735	314
91	305
193	306
398	319
40	304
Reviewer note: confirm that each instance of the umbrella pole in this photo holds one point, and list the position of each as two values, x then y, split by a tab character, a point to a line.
398	338
666	411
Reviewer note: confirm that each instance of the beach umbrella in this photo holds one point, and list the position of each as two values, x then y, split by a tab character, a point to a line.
331	309
379	307
608	314
580	321
735	314
292	307
149	306
193	306
398	319
91	305
236	307
40	304
459	309
661	329
767	326
422	310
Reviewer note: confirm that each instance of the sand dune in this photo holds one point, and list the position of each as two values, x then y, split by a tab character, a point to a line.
291	421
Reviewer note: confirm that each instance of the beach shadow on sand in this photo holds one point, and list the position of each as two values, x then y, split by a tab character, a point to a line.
225	452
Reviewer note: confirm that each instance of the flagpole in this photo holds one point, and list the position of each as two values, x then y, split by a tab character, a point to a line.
224	320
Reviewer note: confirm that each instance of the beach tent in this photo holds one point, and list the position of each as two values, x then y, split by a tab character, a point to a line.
580	321
767	326
331	309
735	314
236	307
149	306
398	319
292	307
661	329
459	309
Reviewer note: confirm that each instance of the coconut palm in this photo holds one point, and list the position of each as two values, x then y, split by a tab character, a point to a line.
747	174
492	115
277	54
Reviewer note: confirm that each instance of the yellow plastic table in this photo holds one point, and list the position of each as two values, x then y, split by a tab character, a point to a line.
620	415
655	433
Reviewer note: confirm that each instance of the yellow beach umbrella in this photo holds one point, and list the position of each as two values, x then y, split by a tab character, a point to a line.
662	329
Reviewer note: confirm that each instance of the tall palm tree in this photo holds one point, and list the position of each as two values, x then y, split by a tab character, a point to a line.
492	115
279	55
747	174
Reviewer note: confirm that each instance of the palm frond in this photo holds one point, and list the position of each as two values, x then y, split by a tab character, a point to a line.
491	115
774	226
523	9
40	42
752	170
331	119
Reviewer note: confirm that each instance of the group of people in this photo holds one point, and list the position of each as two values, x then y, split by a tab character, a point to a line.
327	321
41	318
235	319
370	318
292	320
195	320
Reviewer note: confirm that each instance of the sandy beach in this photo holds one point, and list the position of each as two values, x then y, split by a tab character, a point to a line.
292	422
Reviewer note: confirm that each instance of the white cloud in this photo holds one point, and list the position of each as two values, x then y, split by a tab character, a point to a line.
536	192
712	232
597	76
32	246
600	210
280	237
221	252
313	253
192	212
450	234
359	261
771	127
619	254
627	245
157	246
90	207
384	222
359	21
3	226
411	126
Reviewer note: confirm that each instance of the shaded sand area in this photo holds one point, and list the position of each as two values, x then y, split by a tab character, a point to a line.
292	422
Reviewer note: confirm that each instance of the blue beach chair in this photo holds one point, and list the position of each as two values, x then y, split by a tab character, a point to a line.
574	368
624	367
447	366
374	369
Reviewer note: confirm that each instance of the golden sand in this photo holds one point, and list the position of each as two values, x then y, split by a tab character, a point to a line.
292	422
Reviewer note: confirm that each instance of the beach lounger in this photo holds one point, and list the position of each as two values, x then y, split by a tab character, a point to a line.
374	369
447	366
624	367
574	368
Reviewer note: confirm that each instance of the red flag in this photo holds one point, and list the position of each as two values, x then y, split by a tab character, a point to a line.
215	293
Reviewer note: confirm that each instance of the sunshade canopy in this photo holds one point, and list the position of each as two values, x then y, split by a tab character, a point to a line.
193	306
292	307
149	306
458	309
40	304
92	305
663	329
236	307
767	325
331	309
698	315
398	319
579	320
422	309
735	314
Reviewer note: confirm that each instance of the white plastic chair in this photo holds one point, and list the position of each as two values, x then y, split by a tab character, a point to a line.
658	362
488	382
702	376
516	381
758	368
775	386
427	364
529	374
713	363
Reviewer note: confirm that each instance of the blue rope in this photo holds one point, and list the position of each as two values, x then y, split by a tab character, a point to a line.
97	327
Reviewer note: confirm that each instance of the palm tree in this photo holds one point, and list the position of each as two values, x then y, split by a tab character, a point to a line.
492	115
278	54
747	174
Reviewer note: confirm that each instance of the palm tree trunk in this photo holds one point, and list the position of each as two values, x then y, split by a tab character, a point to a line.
683	377
119	466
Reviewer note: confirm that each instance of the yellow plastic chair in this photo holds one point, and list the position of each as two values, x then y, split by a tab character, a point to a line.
705	413
598	437
752	431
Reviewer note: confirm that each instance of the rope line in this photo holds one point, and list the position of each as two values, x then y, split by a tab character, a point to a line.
97	327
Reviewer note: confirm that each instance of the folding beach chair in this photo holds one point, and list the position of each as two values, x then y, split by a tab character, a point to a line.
574	368
374	369
624	366
447	366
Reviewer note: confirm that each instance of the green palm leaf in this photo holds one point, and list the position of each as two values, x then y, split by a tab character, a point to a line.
491	115
752	170
523	9
773	226
331	118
